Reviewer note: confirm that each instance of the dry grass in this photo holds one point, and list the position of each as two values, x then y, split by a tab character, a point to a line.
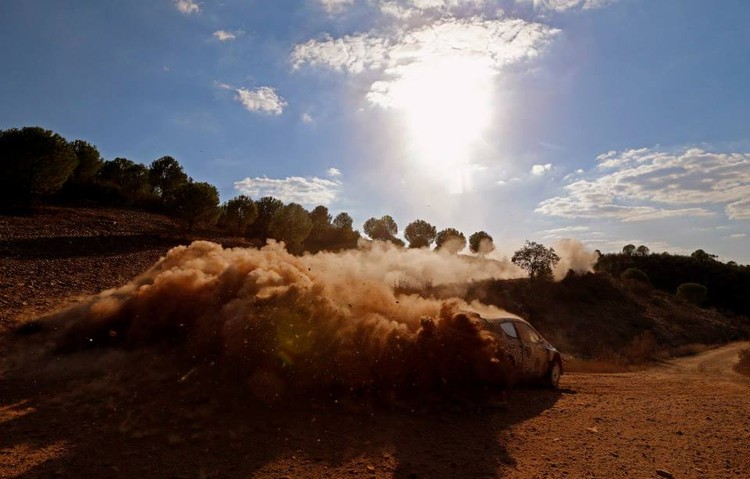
688	350
641	351
743	366
597	366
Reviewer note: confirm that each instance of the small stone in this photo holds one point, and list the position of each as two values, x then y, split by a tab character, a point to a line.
664	473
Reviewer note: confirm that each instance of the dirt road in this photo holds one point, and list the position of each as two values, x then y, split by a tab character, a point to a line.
117	414
689	417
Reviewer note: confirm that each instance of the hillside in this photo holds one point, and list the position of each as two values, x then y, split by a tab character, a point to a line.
596	316
727	284
60	255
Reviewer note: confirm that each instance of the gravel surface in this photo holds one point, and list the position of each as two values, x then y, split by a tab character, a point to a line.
59	255
126	414
154	413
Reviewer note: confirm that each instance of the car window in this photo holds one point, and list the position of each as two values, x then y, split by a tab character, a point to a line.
528	335
509	329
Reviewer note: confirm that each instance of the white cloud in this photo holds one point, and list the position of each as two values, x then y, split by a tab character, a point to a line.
401	56
307	118
351	53
566	5
187	6
540	170
263	99
739	210
564	232
646	184
224	35
738	236
334	171
508	181
405	9
306	191
333	6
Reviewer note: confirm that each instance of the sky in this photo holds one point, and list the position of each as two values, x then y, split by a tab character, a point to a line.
607	121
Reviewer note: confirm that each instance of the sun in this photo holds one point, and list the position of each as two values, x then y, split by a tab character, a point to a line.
446	105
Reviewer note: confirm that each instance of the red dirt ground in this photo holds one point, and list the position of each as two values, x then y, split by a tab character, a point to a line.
137	414
149	413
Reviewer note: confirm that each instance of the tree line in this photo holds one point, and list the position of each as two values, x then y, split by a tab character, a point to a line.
38	165
699	277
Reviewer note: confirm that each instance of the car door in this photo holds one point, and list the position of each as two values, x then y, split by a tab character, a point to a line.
535	356
512	341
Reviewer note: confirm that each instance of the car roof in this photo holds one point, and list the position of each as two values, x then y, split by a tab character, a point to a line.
504	318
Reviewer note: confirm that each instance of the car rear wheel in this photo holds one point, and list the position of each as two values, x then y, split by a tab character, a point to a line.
552	379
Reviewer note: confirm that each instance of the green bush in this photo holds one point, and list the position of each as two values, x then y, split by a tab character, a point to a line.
635	274
693	293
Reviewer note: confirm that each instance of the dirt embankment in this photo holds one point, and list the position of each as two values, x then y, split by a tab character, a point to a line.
59	255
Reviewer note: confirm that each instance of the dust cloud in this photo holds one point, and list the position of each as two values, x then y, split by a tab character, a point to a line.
317	321
573	256
453	245
486	246
329	320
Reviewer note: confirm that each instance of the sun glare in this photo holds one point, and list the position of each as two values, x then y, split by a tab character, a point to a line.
446	105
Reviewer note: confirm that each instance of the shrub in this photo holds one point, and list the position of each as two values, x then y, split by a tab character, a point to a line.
635	274
642	349
636	281
693	293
